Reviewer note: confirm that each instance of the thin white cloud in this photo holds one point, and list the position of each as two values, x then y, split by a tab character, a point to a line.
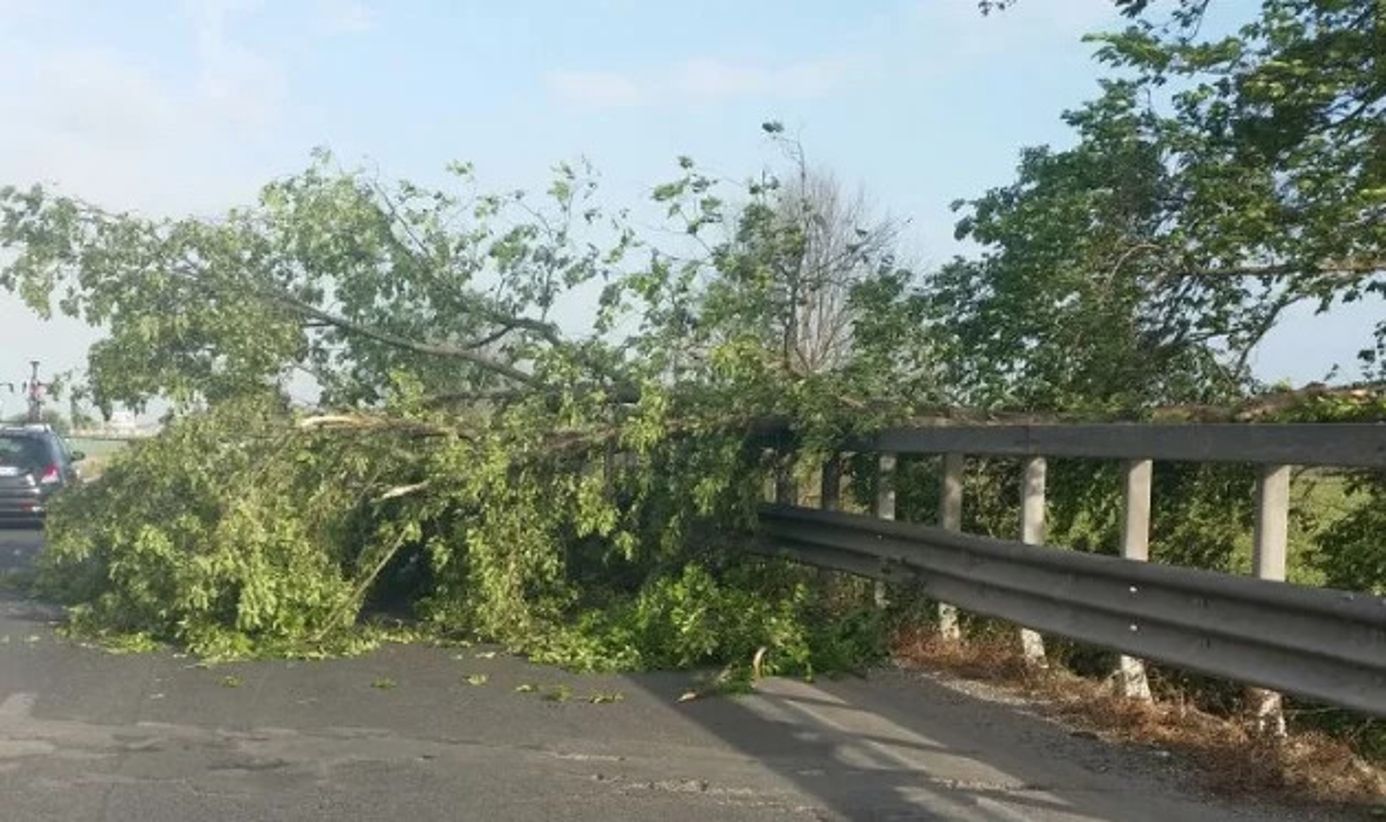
1020	28
601	89
121	130
127	131
700	79
235	82
719	78
345	16
95	95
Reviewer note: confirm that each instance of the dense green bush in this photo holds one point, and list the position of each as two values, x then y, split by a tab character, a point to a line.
1352	550
220	533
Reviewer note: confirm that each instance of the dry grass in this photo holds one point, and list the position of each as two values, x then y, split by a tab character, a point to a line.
1227	752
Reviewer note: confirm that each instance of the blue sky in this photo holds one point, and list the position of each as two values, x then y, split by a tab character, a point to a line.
182	107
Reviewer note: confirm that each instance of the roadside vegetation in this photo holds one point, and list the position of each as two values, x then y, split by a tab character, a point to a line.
539	422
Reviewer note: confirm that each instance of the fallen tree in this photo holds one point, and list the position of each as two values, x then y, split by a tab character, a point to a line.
466	461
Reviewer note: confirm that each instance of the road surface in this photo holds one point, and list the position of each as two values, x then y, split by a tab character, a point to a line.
401	734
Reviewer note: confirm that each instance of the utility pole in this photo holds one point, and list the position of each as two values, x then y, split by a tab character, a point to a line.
35	390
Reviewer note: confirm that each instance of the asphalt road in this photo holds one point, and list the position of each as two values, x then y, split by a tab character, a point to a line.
88	735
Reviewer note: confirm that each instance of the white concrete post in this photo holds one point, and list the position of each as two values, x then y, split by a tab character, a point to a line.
1135	545
1032	532
1269	547
829	499
831	496
786	486
950	508
885	509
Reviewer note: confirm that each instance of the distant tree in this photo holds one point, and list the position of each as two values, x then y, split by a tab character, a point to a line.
49	417
843	246
792	267
800	249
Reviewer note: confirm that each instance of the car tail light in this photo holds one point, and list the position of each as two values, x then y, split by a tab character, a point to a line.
50	475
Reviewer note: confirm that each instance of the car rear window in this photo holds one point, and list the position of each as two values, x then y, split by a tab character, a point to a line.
26	453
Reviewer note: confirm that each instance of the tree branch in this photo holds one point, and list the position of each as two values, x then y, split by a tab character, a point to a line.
394	341
1345	268
341	323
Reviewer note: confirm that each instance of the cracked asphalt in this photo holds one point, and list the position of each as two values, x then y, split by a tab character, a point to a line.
412	733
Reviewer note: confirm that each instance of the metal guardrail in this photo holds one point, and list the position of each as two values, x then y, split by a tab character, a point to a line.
1323	644
1318	643
1355	445
112	436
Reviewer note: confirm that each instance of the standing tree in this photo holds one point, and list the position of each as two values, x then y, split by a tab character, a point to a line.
1277	135
800	271
1217	181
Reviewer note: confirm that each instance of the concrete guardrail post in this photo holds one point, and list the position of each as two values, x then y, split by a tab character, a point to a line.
1135	545
950	507
1269	546
786	485
830	498
1032	533
885	509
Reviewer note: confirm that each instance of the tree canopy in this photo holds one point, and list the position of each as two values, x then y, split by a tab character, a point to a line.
1216	181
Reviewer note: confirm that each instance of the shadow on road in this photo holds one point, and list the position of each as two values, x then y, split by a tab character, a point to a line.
19	548
20	544
898	746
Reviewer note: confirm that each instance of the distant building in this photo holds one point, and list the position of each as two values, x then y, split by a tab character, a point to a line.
122	424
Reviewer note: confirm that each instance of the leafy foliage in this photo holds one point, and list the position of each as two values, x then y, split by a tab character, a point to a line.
212	534
1216	181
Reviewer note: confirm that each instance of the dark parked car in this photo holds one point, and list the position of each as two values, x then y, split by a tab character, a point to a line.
35	463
